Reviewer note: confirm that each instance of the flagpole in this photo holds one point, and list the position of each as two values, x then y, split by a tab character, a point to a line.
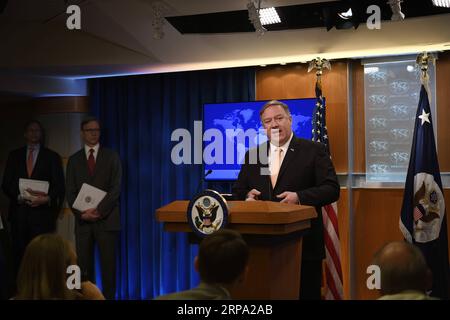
422	61
332	266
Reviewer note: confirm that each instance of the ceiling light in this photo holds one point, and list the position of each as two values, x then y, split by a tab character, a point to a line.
283	63
441	3
368	70
343	14
346	15
269	16
396	8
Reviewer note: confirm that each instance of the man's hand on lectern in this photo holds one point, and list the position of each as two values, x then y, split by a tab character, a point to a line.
289	197
252	195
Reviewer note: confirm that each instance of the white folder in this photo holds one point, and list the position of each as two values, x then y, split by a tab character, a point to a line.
88	198
35	185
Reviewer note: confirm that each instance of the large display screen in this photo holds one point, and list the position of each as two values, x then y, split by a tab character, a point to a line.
230	129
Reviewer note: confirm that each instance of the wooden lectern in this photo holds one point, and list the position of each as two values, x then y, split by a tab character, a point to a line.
273	232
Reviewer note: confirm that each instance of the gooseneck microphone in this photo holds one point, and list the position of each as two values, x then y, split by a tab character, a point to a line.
203	180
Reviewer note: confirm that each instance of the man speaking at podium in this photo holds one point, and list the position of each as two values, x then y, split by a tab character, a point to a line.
299	172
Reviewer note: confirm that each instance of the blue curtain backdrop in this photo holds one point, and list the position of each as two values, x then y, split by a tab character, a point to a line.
138	115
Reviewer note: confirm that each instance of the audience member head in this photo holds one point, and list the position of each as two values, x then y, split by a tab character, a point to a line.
90	131
34	132
42	273
403	267
222	258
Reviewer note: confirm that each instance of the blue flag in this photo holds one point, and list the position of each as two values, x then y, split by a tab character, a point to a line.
423	218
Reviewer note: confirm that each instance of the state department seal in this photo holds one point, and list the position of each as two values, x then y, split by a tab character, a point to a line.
207	212
429	208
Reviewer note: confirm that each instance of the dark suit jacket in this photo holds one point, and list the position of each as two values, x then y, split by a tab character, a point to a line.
307	170
204	291
107	177
48	167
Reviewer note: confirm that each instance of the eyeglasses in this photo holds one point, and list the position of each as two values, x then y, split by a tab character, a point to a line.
91	130
277	119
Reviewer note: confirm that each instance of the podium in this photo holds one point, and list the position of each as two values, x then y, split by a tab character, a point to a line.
273	232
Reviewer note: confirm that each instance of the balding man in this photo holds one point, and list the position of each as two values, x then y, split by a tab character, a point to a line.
221	262
404	272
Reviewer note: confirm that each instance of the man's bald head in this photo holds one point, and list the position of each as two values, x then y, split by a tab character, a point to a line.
403	267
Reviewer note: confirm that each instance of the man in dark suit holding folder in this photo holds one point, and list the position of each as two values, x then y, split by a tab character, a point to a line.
36	214
101	168
291	170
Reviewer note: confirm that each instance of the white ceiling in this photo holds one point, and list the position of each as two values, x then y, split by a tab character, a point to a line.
116	38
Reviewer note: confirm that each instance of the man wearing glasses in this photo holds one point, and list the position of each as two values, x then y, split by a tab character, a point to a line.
299	172
101	168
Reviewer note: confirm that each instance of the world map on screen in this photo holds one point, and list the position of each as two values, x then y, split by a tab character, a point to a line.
244	116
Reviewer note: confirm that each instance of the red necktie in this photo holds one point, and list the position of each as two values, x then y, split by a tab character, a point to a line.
91	162
30	161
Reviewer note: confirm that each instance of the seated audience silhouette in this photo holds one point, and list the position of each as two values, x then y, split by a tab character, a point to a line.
43	272
221	262
404	272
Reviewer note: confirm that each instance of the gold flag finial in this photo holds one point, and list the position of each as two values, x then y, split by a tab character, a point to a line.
319	64
423	60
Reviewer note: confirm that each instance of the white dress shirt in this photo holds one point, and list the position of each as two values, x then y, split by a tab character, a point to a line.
87	150
273	152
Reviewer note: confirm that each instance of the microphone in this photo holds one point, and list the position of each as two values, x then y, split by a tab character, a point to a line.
270	189
203	180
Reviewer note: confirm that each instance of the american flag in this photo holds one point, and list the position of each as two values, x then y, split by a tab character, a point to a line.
333	269
417	214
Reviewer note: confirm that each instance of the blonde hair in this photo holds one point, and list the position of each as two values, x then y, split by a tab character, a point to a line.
42	273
